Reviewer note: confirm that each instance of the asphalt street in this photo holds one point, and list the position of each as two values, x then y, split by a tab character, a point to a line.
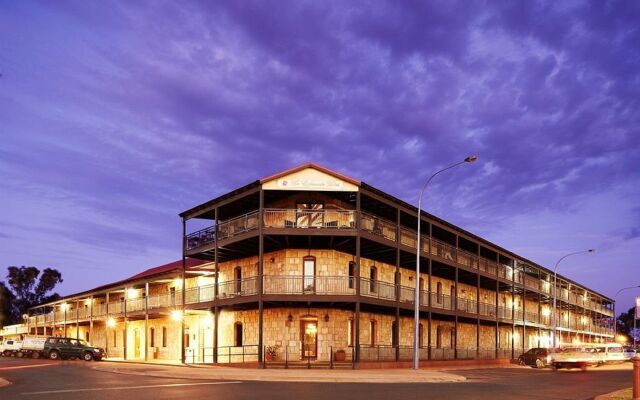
43	379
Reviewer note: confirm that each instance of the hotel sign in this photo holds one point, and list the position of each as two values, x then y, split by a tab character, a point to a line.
311	184
310	179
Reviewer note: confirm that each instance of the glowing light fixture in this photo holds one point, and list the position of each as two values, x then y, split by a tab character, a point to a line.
111	322
132	294
176	315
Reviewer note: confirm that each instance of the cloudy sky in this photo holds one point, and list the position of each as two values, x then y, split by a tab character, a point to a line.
116	116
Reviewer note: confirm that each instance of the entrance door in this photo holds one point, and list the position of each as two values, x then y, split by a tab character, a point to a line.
136	343
309	335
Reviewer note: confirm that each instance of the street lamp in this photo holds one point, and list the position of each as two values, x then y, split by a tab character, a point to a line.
615	318
555	289
416	317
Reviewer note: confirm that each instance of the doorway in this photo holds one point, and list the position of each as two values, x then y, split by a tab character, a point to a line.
136	343
309	338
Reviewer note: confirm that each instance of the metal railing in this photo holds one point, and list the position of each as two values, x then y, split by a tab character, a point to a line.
305	218
237	288
467	305
377	289
442	301
300	284
443	250
378	226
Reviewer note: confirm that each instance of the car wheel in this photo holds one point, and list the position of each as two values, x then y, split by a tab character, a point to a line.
35	354
87	356
539	363
19	354
54	355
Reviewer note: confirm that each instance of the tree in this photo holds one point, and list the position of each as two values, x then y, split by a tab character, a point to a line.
625	324
26	287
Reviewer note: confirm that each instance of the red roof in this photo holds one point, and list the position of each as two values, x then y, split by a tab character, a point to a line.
176	265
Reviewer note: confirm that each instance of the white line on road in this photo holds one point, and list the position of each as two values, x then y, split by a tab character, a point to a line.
128	387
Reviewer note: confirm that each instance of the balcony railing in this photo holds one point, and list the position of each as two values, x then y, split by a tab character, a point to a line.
378	226
377	289
442	301
309	285
303	219
466	305
443	250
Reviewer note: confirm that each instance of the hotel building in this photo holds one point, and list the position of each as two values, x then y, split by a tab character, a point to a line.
309	265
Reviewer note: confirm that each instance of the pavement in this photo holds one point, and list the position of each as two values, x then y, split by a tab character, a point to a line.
282	375
79	380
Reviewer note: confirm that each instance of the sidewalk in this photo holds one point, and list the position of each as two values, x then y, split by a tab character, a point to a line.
281	375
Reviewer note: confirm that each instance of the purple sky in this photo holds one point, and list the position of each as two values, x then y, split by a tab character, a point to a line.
116	116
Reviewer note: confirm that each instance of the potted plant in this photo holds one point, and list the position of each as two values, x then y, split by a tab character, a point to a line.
271	352
341	355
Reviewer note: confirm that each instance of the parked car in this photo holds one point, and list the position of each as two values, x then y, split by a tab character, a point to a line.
60	348
538	357
610	353
575	357
629	352
10	347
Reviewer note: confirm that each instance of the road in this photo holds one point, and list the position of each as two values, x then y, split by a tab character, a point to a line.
43	379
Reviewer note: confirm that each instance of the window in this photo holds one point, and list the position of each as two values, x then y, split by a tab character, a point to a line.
420	335
186	340
439	292
152	337
86	336
352	268
237	276
115	335
351	333
237	334
309	272
394	333
164	336
373	277
439	337
372	332
452	292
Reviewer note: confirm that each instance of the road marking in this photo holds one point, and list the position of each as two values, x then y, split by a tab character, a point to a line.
27	366
129	387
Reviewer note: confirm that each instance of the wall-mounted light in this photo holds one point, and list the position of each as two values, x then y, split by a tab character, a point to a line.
111	322
272	259
289	317
132	294
64	306
176	315
326	318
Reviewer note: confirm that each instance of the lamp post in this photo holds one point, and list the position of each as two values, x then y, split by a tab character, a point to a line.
416	317
615	318
555	289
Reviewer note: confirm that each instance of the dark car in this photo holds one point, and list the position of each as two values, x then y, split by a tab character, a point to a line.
538	357
56	348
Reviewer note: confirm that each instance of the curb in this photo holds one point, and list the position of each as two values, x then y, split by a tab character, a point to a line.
4	382
607	396
444	378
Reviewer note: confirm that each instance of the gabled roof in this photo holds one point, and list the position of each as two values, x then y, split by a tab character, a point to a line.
315	166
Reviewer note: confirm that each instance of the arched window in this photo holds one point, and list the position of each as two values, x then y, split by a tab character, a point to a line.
439	292
152	337
420	335
237	278
452	292
309	273
453	338
373	278
237	334
394	333
373	331
186	342
164	336
352	270
351	333
439	337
